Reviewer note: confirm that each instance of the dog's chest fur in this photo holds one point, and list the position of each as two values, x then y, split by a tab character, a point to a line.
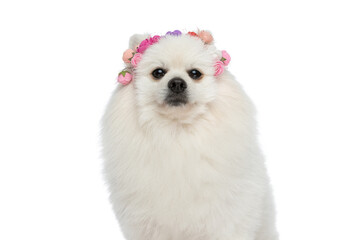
182	179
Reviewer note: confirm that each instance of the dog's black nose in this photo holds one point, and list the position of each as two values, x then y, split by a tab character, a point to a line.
177	85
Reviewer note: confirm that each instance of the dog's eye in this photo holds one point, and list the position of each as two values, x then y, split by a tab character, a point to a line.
194	74
158	73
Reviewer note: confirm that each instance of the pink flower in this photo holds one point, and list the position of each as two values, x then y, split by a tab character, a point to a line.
155	39
127	55
147	43
219	68
143	46
206	37
225	58
136	59
124	77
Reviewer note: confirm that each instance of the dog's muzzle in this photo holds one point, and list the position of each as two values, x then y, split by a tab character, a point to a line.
177	92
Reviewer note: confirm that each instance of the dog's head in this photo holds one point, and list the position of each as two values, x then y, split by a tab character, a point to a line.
175	76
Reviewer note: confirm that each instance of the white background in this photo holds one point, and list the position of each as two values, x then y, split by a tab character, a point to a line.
298	60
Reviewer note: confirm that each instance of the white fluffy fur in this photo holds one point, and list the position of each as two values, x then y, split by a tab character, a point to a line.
191	172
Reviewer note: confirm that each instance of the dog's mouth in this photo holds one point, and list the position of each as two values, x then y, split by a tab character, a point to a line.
176	99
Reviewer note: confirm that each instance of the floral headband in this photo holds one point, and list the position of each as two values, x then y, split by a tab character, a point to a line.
133	57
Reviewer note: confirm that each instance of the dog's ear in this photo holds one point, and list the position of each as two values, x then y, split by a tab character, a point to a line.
136	39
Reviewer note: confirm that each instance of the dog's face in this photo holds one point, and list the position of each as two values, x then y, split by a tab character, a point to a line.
176	74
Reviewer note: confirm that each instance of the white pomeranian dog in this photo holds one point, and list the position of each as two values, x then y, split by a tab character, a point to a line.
182	159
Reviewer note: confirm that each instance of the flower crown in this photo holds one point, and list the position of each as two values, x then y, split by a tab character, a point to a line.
133	57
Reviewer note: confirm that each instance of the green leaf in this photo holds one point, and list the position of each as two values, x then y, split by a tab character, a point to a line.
123	72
